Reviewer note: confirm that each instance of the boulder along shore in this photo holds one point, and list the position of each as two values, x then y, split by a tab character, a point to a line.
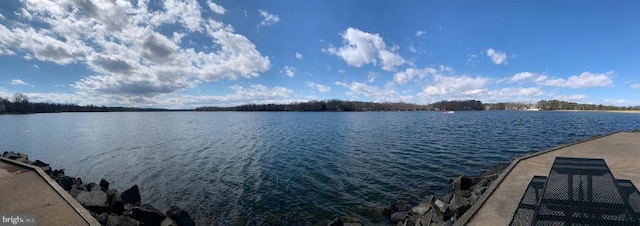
435	210
109	206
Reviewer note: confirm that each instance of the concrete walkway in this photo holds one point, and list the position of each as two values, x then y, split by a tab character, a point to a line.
621	152
25	189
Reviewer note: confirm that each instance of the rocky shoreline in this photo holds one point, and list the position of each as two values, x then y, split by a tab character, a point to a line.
108	206
435	210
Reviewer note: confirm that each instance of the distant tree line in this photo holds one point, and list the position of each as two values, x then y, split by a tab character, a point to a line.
565	105
329	105
466	105
20	104
339	105
508	106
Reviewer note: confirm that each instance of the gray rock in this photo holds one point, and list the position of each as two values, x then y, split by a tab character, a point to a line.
111	194
459	205
104	185
102	218
92	199
474	198
23	155
425	220
421	209
429	199
479	190
447	197
399	216
482	183
180	216
463	193
414	220
40	163
388	210
436	219
441	206
461	182
116	205
77	182
131	195
492	177
114	220
168	222
336	222
65	182
449	223
57	173
92	187
352	224
148	215
74	192
9	155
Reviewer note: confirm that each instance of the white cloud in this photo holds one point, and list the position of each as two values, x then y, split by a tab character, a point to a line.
409	74
4	93
187	12
240	95
635	86
299	56
584	80
1	16
455	86
319	87
362	48
497	57
35	66
371	76
540	79
124	46
387	93
576	97
515	92
216	8
18	82
289	71
268	18
472	60
522	76
420	33
621	102
510	94
412	48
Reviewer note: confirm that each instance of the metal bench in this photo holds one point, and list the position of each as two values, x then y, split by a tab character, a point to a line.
578	191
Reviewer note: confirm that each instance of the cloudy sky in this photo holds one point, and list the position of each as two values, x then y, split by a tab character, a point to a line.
183	54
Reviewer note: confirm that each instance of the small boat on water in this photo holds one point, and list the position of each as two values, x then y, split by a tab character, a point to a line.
447	112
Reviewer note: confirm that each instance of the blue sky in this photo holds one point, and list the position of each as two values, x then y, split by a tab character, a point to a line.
183	54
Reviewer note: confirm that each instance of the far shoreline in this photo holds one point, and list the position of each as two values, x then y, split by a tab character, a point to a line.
604	111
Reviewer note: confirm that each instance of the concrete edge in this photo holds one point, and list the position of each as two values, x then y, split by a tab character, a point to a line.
474	209
84	213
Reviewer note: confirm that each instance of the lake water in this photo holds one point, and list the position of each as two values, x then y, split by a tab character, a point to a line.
248	168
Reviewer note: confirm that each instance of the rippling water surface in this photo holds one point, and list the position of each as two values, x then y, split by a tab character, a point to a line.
248	168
